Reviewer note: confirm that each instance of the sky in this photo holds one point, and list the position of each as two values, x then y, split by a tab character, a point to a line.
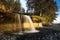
58	12
23	4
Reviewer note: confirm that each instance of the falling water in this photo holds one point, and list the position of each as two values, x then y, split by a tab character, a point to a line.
32	28
40	25
19	24
19	21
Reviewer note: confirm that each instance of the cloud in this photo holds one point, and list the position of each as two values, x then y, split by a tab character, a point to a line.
57	19
23	4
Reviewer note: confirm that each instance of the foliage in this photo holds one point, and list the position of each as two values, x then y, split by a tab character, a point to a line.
7	10
43	7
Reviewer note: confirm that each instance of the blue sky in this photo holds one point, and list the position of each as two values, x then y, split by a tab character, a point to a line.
58	17
23	2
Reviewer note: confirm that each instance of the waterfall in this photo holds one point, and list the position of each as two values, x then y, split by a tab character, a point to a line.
29	21
26	19
40	25
18	24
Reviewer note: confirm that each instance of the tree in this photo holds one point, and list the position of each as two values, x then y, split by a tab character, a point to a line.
7	10
43	7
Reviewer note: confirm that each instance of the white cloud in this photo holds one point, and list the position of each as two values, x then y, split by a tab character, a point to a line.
57	19
23	4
